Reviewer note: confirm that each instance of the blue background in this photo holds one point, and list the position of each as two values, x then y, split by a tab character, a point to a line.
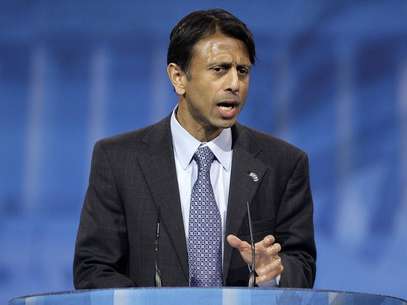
331	78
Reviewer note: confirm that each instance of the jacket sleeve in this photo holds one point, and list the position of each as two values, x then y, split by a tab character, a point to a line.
101	245
295	229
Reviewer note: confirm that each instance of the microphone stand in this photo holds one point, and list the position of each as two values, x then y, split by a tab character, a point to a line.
157	276
252	266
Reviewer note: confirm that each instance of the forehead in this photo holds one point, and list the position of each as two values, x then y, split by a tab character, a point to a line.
220	48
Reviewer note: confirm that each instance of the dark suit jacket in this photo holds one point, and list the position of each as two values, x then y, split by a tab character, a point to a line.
133	177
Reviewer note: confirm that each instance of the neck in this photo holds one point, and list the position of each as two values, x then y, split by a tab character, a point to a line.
200	131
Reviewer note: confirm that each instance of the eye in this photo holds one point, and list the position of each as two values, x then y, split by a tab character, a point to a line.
243	71
218	69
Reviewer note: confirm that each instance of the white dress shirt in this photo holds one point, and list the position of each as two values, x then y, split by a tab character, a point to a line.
185	146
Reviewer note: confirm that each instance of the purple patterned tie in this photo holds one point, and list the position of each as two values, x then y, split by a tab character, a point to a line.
205	227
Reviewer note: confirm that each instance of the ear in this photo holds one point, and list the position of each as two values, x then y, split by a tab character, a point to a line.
177	78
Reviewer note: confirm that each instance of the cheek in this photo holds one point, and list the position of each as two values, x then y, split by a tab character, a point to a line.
244	89
201	90
207	96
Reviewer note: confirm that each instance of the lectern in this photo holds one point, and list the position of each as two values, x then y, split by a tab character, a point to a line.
206	296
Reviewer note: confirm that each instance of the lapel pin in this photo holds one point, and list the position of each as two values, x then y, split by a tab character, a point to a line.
254	176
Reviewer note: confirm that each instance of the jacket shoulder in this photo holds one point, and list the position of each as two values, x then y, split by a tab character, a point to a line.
134	139
269	144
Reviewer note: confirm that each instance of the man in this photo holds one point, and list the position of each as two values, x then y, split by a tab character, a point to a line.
192	175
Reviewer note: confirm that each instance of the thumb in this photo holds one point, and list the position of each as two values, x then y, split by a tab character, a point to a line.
242	246
234	241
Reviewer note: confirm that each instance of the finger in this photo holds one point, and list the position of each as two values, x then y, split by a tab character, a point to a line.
243	247
237	243
274	263
233	241
273	250
268	276
265	242
268	240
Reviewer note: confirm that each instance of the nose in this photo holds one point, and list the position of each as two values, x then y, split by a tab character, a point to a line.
233	82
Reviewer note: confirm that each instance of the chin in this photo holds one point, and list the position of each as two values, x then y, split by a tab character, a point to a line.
226	123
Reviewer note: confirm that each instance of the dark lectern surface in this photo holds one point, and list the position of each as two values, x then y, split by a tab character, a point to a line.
206	296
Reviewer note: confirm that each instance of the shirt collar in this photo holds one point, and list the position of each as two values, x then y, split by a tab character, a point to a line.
185	145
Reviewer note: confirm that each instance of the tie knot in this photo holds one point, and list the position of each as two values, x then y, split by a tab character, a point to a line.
204	157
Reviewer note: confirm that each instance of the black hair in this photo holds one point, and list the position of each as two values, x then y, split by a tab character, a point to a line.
199	24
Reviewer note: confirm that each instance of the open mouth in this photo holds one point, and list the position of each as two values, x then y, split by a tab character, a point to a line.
228	105
228	109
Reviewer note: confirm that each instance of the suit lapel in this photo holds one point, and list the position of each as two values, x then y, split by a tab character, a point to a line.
158	166
245	168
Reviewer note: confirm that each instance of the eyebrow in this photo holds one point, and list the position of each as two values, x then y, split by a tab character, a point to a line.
228	65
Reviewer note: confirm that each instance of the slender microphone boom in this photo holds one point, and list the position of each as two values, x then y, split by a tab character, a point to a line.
157	276
252	267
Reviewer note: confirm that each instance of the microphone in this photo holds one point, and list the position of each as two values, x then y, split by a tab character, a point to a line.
157	276
252	266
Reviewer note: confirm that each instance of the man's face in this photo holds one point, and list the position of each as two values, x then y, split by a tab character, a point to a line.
216	86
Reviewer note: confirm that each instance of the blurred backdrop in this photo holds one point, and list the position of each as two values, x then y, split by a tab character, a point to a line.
331	78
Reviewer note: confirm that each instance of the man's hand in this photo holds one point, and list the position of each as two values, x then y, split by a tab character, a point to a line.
268	262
